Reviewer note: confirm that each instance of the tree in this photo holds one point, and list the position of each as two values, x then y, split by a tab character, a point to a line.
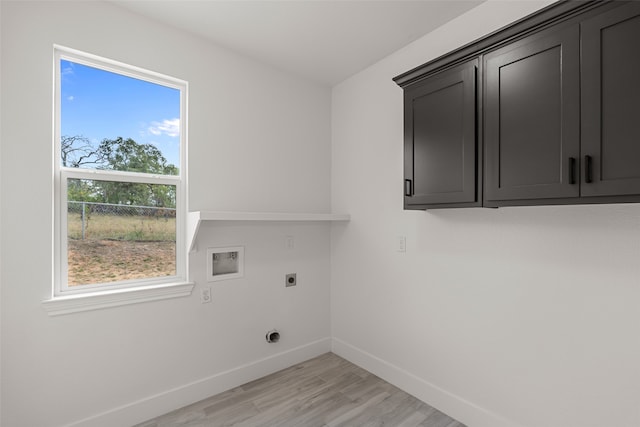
77	151
81	190
121	155
127	155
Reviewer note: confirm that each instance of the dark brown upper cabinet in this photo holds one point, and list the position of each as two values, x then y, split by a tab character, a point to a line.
440	140
611	102
532	117
543	111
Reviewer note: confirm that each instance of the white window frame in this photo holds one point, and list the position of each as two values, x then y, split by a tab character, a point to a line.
159	287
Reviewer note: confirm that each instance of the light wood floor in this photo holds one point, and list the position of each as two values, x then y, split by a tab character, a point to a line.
326	391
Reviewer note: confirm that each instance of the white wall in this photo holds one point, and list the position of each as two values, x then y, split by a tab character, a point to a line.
259	140
523	317
1	240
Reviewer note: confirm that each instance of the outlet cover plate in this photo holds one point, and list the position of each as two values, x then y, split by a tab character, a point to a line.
205	295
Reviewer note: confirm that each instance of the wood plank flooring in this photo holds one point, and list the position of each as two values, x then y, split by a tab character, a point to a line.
326	391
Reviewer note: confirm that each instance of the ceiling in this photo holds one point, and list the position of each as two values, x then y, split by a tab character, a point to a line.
324	41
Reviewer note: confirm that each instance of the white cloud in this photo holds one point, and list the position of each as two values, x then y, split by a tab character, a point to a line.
70	98
169	127
66	71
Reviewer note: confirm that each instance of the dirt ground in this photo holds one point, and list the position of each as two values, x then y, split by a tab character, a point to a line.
104	261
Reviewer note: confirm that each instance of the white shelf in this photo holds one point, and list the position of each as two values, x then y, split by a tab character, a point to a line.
194	219
265	216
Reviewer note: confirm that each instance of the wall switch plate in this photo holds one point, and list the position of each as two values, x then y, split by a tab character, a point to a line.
289	242
205	295
401	244
290	280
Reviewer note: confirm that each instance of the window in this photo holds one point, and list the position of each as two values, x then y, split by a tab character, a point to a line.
120	178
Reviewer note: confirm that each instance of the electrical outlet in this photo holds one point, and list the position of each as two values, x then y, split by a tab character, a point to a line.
205	295
290	280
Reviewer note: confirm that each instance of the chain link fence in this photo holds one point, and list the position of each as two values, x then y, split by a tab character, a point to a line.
90	220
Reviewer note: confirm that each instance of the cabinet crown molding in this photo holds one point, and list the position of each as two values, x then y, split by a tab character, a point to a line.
548	16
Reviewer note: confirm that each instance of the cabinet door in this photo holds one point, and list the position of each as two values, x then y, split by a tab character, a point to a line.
532	118
440	140
611	102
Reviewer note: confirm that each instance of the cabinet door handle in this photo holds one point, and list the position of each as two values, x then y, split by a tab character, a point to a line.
408	190
588	169
572	170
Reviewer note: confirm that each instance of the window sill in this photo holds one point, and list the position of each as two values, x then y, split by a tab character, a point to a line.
57	306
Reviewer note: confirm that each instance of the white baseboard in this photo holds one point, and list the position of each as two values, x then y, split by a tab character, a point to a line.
462	410
167	401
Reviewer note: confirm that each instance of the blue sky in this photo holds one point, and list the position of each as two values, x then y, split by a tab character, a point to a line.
98	104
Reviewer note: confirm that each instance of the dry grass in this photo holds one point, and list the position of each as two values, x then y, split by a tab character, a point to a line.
106	261
119	248
118	227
